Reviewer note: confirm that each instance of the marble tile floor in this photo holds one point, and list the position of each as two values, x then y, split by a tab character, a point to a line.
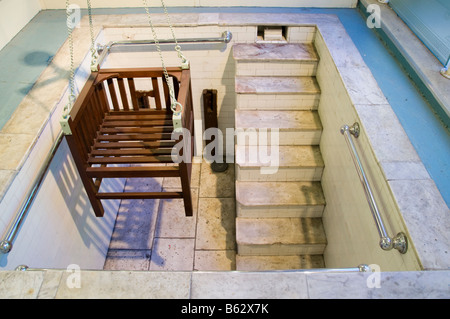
154	234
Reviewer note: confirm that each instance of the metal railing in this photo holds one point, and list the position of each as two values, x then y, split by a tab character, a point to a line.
400	241
105	49
360	268
13	229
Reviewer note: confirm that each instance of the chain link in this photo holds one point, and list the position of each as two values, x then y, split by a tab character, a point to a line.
71	98
173	101
94	56
177	46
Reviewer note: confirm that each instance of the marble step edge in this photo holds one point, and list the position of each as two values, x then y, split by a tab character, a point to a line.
279	194
303	120
275	52
258	107
290	156
279	211
298	85
285	68
280	232
283	102
276	69
280	250
261	263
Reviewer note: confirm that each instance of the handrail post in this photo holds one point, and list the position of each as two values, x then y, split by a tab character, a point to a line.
386	243
445	71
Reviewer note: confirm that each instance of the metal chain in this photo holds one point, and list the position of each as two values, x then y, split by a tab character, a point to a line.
68	106
94	56
173	100
177	46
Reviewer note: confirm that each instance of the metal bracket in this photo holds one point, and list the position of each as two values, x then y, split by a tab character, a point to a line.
400	242
227	36
445	72
354	129
65	126
94	66
185	65
176	119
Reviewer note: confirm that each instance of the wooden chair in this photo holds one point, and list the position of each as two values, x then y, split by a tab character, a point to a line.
120	132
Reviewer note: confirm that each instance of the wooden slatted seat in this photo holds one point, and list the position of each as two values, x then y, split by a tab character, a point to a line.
120	132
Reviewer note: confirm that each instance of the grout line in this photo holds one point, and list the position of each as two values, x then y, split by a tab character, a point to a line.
114	227
190	285
157	219
197	213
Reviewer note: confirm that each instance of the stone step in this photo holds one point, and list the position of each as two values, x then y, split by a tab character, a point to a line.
270	59
293	163
294	127
270	52
280	236
276	85
279	199
277	93
259	263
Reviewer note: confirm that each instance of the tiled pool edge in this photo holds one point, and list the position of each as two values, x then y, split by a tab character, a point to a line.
57	284
36	122
421	61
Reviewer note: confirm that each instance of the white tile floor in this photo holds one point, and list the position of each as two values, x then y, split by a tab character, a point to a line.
155	234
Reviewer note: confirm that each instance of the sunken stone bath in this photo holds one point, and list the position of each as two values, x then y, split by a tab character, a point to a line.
345	92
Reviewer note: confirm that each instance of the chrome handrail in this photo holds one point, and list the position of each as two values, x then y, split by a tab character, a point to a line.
360	268
400	241
105	49
6	243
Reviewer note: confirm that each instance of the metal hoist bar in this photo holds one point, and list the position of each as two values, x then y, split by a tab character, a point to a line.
105	49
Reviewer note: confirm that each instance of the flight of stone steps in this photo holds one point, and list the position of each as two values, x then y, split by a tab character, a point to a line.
278	224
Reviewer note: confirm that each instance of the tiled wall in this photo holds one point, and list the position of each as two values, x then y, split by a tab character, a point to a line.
351	232
283	101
